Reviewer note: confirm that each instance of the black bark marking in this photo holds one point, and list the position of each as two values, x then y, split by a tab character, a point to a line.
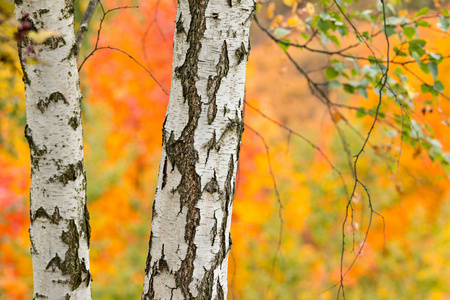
230	3
74	122
179	26
68	10
235	126
41	213
213	85
214	230
212	186
85	226
42	11
241	53
72	264
220	292
54	42
211	145
158	268
70	173
40	296
164	177
54	263
35	151
53	98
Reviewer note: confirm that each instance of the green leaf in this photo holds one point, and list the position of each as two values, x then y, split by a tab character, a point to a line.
284	47
363	92
334	84
423	23
281	31
399	52
361	112
432	66
422	12
425	88
390	30
335	40
443	23
323	25
424	68
331	73
410	32
438	86
349	89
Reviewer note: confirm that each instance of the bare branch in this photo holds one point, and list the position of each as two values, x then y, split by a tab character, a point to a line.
85	23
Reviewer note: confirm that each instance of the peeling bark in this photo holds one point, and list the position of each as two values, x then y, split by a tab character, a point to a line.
190	237
59	229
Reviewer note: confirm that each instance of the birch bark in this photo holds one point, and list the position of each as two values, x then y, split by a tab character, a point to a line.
59	230
190	237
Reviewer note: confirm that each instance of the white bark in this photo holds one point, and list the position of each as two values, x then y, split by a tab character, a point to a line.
190	238
59	229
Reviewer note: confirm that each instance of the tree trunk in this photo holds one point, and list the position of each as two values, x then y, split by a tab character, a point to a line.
190	237
59	229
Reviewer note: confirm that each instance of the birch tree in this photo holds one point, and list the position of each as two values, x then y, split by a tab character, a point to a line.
190	237
59	229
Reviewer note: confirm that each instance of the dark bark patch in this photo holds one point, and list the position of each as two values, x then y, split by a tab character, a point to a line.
72	264
53	98
41	213
42	11
71	173
54	42
211	145
213	84
164	176
220	292
74	122
85	226
35	151
214	230
179	26
212	186
40	296
241	53
68	10
54	263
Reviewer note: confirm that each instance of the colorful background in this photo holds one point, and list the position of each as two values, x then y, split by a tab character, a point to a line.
123	111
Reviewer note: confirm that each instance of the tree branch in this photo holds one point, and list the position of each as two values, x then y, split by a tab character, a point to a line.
85	23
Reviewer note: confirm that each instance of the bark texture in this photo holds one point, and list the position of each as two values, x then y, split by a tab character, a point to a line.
190	238
59	229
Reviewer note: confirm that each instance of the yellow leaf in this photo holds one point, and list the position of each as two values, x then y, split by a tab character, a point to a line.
337	117
310	8
294	21
271	10
289	2
42	35
403	13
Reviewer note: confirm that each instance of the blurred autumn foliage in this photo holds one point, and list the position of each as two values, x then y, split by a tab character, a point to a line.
287	250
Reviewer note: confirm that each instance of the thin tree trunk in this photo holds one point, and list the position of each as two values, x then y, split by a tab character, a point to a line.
190	237
59	229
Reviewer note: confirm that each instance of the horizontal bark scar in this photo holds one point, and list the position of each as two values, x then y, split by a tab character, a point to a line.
41	213
55	97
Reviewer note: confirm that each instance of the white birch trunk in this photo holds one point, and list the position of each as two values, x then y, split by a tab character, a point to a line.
59	229
190	237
